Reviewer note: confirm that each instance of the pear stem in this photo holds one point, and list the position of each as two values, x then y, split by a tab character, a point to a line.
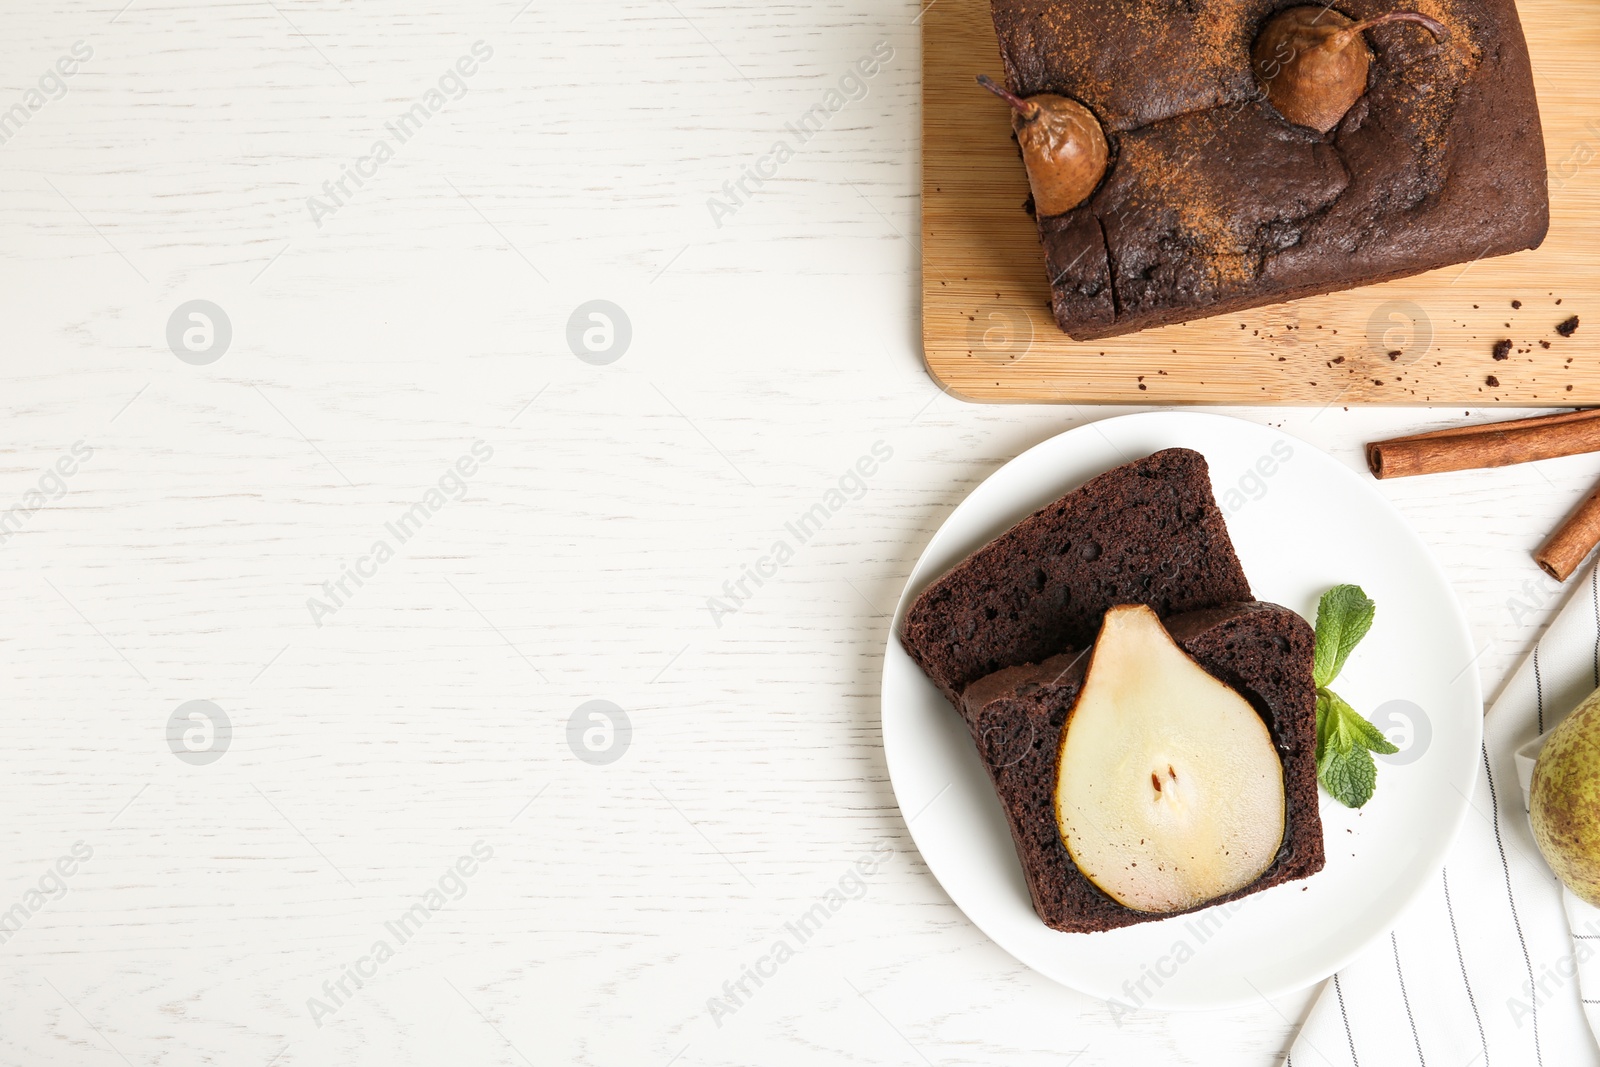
1440	31
1027	109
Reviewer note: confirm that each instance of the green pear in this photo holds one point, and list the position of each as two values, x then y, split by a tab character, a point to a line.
1565	800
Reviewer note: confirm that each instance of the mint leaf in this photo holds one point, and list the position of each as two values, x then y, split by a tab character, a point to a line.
1345	740
1351	777
1345	743
1347	728
1363	732
1343	618
1324	720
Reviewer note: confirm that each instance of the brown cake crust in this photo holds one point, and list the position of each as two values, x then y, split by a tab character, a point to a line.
1215	203
1017	717
1148	532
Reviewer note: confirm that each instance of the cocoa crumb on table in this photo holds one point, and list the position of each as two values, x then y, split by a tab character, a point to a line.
1516	303
1502	349
1491	381
1569	327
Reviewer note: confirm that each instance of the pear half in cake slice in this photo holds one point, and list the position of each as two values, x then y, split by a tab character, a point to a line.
1170	791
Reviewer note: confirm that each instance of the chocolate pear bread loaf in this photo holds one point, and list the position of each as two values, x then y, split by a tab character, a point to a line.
1214	201
1018	717
1148	532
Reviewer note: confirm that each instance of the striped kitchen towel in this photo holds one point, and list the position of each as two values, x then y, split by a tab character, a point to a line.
1495	965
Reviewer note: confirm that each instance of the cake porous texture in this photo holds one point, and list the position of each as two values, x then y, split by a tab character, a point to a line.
1148	532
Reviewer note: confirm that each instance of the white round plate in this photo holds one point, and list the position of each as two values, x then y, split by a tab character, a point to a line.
1301	523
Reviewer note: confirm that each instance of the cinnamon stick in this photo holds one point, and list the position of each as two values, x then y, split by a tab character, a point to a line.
1569	545
1496	444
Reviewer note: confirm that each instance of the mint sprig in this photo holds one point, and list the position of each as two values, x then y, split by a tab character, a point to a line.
1345	740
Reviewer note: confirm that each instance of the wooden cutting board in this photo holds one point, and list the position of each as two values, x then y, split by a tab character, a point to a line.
988	334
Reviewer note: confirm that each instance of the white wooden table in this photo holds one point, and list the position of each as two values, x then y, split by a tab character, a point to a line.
381	732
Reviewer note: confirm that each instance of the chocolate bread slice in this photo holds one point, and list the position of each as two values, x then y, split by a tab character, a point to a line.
1148	532
1017	717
